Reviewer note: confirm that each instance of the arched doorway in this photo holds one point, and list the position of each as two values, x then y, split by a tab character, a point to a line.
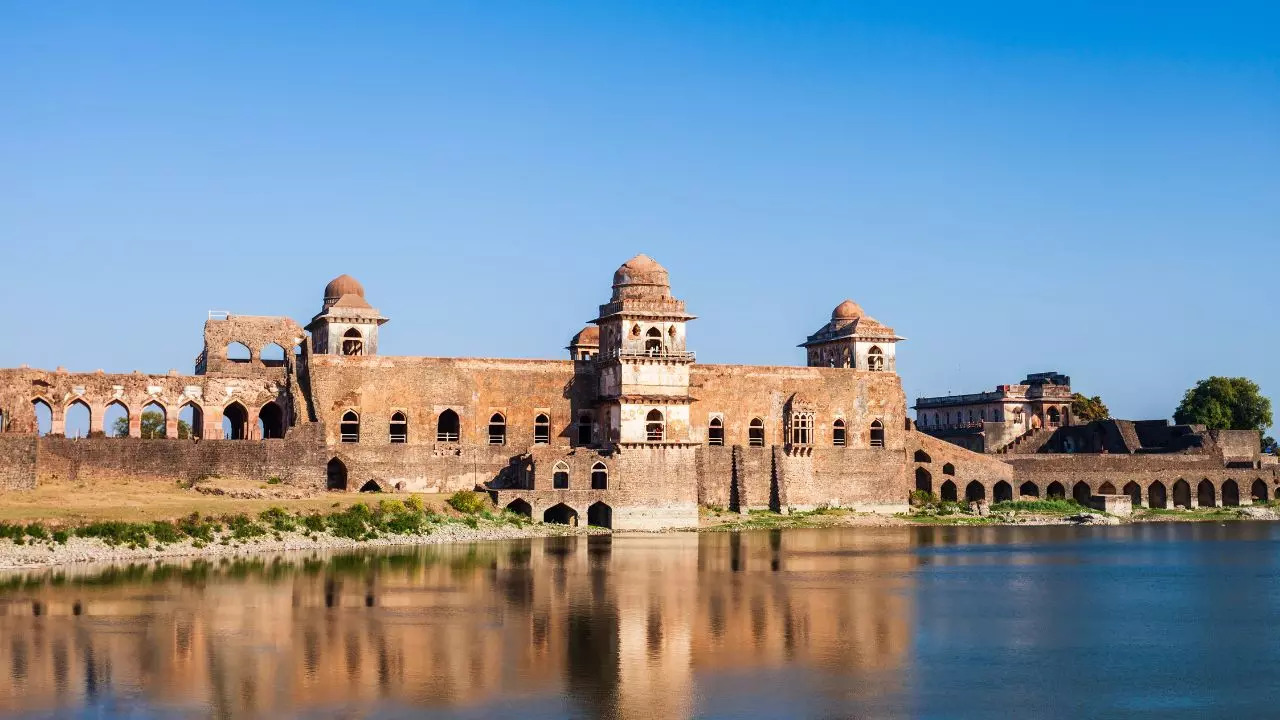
271	421
1156	496
1206	496
1081	492
1055	490
1106	488
336	475
1258	491
1182	494
448	427
600	515
1230	494
370	487
1029	489
949	491
115	420
520	507
560	514
153	421
192	416
1134	491
975	491
235	422
77	419
1002	492
924	481
44	416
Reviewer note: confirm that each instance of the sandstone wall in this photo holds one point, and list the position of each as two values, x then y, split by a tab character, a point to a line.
17	461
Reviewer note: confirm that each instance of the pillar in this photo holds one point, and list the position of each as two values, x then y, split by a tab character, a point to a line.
57	420
135	422
171	423
96	416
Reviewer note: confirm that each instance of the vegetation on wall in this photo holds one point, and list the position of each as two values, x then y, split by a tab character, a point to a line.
1222	403
151	426
1087	409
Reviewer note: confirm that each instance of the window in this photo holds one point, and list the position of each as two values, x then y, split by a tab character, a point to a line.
801	428
497	429
399	428
349	430
715	432
837	433
238	352
877	434
560	476
1054	418
599	477
584	428
755	433
352	343
654	426
541	430
653	341
875	359
448	427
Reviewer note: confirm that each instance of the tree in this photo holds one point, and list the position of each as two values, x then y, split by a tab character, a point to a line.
1088	409
151	426
1222	403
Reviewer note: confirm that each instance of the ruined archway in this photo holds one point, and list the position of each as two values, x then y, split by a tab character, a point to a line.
1157	497
1081	492
335	475
560	514
520	507
1002	492
371	486
1230	494
1055	490
153	421
77	419
1028	489
924	481
272	355
975	491
237	352
1107	488
115	419
600	515
235	422
1206	496
948	491
191	416
1258	491
271	421
44	416
1182	494
1134	491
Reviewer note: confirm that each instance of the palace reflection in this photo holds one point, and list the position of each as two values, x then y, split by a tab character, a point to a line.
608	627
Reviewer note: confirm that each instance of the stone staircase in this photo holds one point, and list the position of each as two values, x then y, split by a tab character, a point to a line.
1027	443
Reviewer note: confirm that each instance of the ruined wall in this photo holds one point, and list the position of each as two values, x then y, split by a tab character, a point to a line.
17	461
932	463
255	332
1143	470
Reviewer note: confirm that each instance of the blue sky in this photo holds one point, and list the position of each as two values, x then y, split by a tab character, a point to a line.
1015	187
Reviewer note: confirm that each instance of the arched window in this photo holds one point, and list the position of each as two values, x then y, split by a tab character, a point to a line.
948	469
1055	419
152	421
654	426
922	456
44	416
877	434
837	433
272	355
541	430
497	429
237	352
235	422
271	421
653	341
115	420
560	476
755	433
599	477
399	428
875	359
190	421
447	427
801	428
352	342
715	432
349	430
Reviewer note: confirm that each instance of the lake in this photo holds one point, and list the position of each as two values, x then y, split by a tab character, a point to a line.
1149	620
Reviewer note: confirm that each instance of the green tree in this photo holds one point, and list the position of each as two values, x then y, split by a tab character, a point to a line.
152	426
1222	403
1088	409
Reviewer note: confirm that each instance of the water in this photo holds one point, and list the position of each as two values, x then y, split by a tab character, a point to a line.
1168	621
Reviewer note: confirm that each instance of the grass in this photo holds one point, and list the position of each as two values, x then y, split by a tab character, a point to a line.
769	520
1050	506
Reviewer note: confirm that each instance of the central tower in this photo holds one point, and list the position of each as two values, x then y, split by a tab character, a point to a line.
643	364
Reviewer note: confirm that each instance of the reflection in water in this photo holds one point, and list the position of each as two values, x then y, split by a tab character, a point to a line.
1165	620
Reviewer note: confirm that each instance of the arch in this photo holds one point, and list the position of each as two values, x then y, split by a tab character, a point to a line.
1259	492
560	476
335	475
272	355
922	456
520	507
875	359
153	421
271	421
948	469
1002	492
1107	488
399	428
497	429
715	432
975	491
877	434
541	429
190	420
655	426
948	491
801	428
755	433
1029	489
560	514
1157	497
599	477
448	427
1206	494
1081	492
235	422
924	481
77	419
370	486
653	341
600	515
1134	491
44	415
1055	418
1182	494
349	428
1230	493
838	437
238	352
1055	490
115	419
352	342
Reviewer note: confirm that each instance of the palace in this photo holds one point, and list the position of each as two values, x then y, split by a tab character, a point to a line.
628	432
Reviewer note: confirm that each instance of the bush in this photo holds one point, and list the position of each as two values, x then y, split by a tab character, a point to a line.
36	531
165	532
468	502
278	519
314	522
1052	505
61	536
242	528
391	507
273	480
193	527
114	532
413	502
350	524
920	498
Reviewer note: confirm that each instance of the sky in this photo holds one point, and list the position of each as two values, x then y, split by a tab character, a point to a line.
1091	188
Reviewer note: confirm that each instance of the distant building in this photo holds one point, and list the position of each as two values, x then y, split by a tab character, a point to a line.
990	421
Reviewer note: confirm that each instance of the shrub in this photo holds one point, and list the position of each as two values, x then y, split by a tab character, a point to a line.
273	480
314	522
350	524
391	507
278	519
165	532
114	532
1051	505
36	531
413	502
61	536
242	528
920	498
405	523
193	527
468	502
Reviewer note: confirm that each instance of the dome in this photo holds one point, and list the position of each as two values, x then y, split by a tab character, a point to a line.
641	270
589	335
847	310
342	285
